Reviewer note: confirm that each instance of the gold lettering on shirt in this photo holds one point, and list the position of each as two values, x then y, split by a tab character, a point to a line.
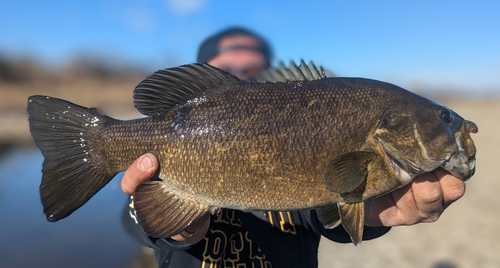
236	251
283	220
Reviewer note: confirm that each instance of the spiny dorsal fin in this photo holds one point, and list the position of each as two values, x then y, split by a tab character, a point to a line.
302	72
173	86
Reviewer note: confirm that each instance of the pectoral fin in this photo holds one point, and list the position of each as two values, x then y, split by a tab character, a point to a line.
329	216
162	213
346	172
353	219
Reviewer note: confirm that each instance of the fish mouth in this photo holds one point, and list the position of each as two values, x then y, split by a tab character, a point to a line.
464	171
460	164
463	163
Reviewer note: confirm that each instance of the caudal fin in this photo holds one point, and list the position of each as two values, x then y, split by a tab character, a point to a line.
69	137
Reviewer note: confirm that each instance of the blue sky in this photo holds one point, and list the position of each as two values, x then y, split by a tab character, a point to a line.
453	45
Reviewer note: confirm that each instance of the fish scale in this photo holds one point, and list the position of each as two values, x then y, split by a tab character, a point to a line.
323	143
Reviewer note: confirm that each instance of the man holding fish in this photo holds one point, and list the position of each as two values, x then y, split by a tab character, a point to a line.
269	238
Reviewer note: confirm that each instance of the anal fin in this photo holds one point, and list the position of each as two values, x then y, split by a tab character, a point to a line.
162	213
353	219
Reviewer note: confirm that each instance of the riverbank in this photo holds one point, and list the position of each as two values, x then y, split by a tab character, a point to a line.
111	97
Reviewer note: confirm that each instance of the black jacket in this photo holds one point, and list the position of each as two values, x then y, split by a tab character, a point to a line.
251	239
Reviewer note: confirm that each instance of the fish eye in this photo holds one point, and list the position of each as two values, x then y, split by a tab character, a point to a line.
445	115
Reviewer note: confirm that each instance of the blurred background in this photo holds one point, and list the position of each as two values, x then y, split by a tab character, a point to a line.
95	52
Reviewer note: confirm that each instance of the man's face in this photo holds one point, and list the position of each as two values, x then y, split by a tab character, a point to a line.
237	57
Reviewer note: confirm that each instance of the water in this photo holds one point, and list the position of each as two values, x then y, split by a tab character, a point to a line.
92	236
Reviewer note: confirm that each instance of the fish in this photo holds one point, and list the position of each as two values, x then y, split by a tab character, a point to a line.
295	140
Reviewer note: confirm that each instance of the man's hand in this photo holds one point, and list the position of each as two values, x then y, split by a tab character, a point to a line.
143	169
423	200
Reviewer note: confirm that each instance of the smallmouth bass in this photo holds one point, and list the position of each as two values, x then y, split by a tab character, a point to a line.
309	142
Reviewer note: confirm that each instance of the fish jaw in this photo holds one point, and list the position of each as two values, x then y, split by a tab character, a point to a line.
463	163
460	166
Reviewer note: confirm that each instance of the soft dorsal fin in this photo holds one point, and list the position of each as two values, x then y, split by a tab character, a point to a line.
173	86
302	72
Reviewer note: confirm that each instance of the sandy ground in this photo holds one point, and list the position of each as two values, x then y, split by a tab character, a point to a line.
466	235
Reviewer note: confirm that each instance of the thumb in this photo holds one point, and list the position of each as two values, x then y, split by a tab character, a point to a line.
143	169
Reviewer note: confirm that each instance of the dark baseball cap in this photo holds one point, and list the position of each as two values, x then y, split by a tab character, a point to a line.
210	47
